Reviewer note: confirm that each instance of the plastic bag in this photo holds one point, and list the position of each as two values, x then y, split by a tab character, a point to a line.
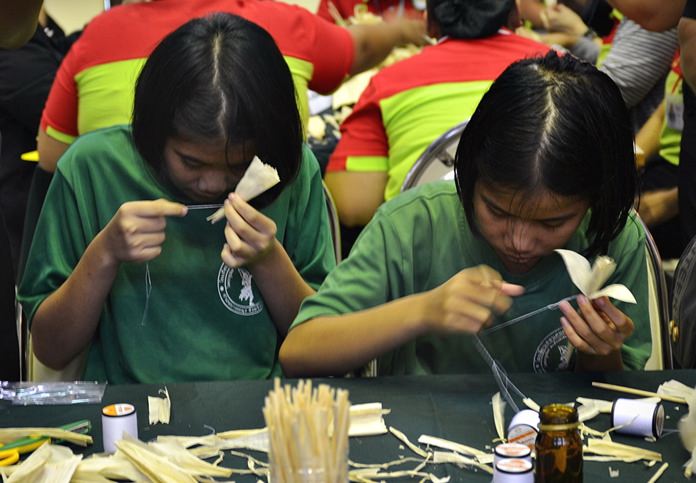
51	393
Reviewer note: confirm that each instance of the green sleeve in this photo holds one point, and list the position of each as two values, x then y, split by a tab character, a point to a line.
309	240
362	280
631	271
58	244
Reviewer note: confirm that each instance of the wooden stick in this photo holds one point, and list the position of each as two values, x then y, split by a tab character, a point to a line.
639	392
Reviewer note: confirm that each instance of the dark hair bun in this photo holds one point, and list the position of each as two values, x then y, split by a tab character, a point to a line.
471	19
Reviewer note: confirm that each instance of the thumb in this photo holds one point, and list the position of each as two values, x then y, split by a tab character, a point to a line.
511	289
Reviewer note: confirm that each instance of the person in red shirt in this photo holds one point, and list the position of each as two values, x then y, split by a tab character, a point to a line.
94	86
411	103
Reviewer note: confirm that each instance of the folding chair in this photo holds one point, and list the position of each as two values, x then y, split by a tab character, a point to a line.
658	306
333	222
436	162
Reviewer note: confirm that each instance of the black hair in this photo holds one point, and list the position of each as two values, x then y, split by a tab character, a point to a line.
220	77
558	124
469	19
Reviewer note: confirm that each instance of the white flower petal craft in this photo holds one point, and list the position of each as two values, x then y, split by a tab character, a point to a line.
258	178
590	280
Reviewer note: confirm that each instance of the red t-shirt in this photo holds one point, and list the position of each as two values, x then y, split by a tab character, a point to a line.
94	85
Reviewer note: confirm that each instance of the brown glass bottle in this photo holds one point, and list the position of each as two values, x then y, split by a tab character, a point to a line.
558	446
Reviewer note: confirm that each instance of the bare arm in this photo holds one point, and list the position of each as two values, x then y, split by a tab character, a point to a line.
328	346
62	328
687	41
648	138
357	194
66	321
338	344
50	151
374	42
282	286
655	15
532	10
18	20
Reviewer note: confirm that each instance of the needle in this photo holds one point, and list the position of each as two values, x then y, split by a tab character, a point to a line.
553	306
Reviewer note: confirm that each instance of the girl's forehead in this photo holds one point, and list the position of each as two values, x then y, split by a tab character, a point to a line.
536	203
212	150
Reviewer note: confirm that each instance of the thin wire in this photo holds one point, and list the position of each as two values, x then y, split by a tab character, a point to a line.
204	207
148	291
516	320
148	278
501	378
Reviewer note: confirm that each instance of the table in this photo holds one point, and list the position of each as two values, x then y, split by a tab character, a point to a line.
454	407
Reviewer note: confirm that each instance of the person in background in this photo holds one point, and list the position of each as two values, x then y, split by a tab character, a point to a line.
659	140
545	162
18	19
658	15
409	104
339	11
94	86
26	75
687	155
125	266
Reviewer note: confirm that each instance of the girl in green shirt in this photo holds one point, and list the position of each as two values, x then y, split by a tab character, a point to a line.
545	162
124	263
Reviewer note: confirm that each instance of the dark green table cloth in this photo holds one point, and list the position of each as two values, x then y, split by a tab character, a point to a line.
454	407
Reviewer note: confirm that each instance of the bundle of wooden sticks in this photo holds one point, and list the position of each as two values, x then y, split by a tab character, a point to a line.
308	433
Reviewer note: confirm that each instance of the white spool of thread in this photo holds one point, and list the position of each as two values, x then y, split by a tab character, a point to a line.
513	470
639	418
524	427
116	420
507	451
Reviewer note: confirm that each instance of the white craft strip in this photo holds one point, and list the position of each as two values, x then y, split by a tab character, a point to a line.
659	473
450	445
402	437
458	459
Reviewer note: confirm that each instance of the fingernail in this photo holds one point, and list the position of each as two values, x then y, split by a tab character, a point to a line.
600	302
231	196
582	299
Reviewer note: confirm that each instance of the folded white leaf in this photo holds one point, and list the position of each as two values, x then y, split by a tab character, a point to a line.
48	464
155	467
677	389
109	467
159	408
258	178
11	434
367	420
590	280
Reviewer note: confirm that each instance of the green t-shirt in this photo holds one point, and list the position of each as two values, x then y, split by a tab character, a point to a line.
420	239
203	320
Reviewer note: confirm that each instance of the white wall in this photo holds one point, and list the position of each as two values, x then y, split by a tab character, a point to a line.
72	15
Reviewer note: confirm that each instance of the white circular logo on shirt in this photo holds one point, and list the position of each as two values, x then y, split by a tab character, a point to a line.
236	291
553	353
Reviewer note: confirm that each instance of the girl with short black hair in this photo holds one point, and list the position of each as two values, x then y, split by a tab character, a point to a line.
546	162
102	277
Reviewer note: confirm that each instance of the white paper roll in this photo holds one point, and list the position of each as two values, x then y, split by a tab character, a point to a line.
524	427
116	420
513	470
511	451
639	418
